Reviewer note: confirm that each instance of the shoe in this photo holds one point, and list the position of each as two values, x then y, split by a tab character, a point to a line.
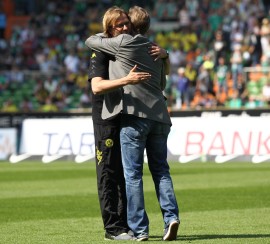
131	233
142	238
108	236
121	237
124	237
170	233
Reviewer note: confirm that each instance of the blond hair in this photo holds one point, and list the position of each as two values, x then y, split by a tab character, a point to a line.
140	19
109	19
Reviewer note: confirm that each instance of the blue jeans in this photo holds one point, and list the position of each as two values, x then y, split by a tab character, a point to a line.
136	135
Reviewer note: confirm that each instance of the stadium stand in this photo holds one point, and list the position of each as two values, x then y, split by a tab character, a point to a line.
44	62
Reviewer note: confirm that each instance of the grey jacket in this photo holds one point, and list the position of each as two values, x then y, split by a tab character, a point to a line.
144	100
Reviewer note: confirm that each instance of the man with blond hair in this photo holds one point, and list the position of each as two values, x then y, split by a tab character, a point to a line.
109	169
145	123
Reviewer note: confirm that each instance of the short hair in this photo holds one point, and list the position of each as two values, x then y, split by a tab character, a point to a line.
109	19
140	19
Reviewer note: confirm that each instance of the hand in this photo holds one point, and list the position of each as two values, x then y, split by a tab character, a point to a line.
134	77
157	52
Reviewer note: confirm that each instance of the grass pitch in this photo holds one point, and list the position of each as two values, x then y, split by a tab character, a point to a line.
57	203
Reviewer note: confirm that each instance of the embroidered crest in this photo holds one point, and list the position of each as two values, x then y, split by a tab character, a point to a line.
109	143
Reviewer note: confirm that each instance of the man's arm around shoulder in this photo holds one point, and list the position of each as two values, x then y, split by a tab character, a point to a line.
107	45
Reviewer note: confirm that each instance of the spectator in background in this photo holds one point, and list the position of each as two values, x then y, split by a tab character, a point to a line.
203	81
183	17
236	64
4	53
168	92
159	8
207	101
237	38
4	83
170	13
265	40
162	39
206	34
257	6
16	76
266	92
251	103
177	58
59	96
49	106
193	9
235	101
50	84
255	45
204	6
215	18
40	92
72	62
10	107
219	47
82	79
3	22
174	39
191	74
182	87
26	106
29	41
46	65
189	38
208	71
70	80
85	99
221	76
241	88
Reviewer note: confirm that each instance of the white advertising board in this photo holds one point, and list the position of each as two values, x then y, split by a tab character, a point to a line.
189	137
7	142
69	136
220	136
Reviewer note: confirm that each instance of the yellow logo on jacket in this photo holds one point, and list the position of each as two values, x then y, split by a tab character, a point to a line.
109	143
98	155
93	55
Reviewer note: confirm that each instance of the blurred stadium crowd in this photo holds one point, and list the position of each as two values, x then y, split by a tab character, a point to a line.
219	52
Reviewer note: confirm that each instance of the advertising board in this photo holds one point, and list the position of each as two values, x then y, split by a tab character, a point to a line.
8	142
221	138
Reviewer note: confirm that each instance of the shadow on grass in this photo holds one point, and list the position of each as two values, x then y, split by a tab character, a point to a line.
211	237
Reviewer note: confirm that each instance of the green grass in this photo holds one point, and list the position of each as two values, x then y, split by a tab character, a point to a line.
57	203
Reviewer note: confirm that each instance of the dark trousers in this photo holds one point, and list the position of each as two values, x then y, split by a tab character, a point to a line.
110	179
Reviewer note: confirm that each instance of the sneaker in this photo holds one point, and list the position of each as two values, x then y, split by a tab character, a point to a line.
121	237
131	233
170	233
108	236
142	238
124	237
